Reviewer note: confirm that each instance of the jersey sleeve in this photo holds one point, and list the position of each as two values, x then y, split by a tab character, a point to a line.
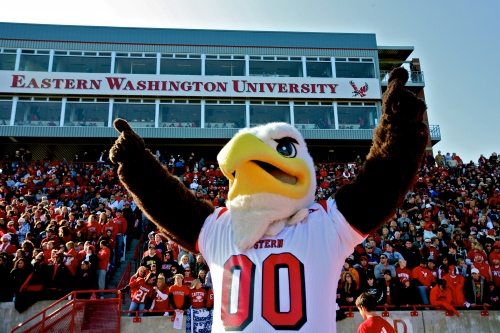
206	234
348	235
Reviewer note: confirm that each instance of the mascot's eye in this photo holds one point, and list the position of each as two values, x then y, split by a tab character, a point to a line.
286	147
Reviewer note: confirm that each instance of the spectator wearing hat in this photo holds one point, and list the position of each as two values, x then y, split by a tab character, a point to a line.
188	276
455	283
151	256
382	267
6	246
476	290
150	240
429	251
423	278
373	259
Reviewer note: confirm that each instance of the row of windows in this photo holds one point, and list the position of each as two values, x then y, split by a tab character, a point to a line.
186	64
30	112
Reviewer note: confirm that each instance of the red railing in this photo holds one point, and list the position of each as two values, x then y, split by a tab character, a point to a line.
414	308
77	311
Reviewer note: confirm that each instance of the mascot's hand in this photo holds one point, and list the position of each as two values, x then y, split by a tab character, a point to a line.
400	102
128	146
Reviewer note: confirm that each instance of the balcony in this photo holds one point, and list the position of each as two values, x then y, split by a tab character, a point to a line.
415	79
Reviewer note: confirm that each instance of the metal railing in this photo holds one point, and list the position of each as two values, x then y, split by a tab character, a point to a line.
76	312
415	77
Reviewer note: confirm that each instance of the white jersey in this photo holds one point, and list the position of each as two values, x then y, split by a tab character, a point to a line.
287	282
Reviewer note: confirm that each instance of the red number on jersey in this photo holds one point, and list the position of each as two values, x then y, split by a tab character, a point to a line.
279	320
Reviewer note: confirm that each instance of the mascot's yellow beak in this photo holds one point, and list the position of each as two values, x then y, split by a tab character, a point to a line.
252	166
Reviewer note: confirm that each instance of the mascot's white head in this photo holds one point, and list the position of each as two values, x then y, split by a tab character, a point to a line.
272	180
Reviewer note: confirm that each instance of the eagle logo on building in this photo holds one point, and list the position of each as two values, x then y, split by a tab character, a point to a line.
361	92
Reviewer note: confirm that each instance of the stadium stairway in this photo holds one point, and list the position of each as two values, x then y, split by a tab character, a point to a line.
120	269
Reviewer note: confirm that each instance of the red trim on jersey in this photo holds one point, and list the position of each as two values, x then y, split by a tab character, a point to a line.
221	211
324	205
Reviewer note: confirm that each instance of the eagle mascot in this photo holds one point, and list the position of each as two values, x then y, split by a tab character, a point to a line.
274	254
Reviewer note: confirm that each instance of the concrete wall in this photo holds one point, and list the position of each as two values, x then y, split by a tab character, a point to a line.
10	318
403	322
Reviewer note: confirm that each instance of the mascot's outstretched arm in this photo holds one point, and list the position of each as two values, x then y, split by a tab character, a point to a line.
393	161
166	201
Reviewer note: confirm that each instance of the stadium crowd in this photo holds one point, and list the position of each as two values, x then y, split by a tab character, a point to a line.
66	226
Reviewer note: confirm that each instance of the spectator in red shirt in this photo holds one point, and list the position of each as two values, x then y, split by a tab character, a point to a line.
482	266
423	279
198	295
140	288
441	297
455	283
6	246
103	256
160	305
372	322
178	294
121	229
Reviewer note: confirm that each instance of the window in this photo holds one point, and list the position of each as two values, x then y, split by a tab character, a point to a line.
38	113
81	64
225	67
5	111
354	68
180	65
318	68
135	65
86	114
282	68
180	114
33	62
357	117
7	62
262	114
314	117
224	116
137	114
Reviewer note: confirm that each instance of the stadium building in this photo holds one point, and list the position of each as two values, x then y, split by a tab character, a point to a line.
184	89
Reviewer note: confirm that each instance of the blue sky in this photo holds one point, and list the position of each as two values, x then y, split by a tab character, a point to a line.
457	41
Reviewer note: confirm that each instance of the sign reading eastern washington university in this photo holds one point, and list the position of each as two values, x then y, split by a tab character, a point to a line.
187	85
